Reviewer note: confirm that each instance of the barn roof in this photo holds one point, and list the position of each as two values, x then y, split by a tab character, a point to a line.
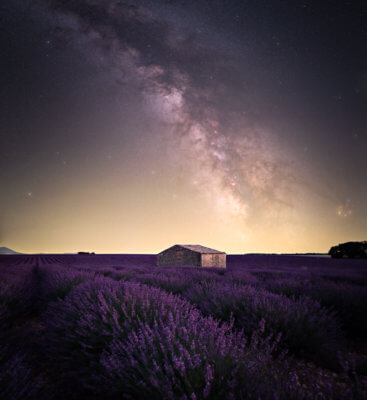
198	249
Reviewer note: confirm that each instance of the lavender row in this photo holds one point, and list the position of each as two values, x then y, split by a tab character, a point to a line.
143	342
16	292
349	301
306	329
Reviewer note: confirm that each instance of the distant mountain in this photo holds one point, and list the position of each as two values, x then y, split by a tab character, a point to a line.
5	250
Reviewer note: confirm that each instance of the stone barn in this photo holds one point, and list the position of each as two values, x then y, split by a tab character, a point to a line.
192	254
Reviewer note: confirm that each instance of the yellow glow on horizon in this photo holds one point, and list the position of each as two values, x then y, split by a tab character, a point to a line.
144	218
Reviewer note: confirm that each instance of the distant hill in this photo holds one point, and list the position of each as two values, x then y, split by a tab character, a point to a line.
5	250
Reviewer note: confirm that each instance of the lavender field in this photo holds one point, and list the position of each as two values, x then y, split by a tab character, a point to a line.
119	327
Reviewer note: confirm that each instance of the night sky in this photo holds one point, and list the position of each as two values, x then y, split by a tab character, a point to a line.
129	126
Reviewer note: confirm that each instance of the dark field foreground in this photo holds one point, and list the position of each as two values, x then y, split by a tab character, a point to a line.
118	327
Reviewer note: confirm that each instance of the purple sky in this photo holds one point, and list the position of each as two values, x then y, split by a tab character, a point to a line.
128	126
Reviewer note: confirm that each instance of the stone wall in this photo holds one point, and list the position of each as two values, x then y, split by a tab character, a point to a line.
213	260
177	255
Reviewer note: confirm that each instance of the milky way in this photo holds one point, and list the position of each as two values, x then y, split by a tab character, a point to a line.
250	114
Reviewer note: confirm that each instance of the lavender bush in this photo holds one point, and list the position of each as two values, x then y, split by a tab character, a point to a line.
306	328
16	290
145	342
349	301
57	282
171	280
17	382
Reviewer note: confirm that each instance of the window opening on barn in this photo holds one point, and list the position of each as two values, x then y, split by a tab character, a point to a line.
179	255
